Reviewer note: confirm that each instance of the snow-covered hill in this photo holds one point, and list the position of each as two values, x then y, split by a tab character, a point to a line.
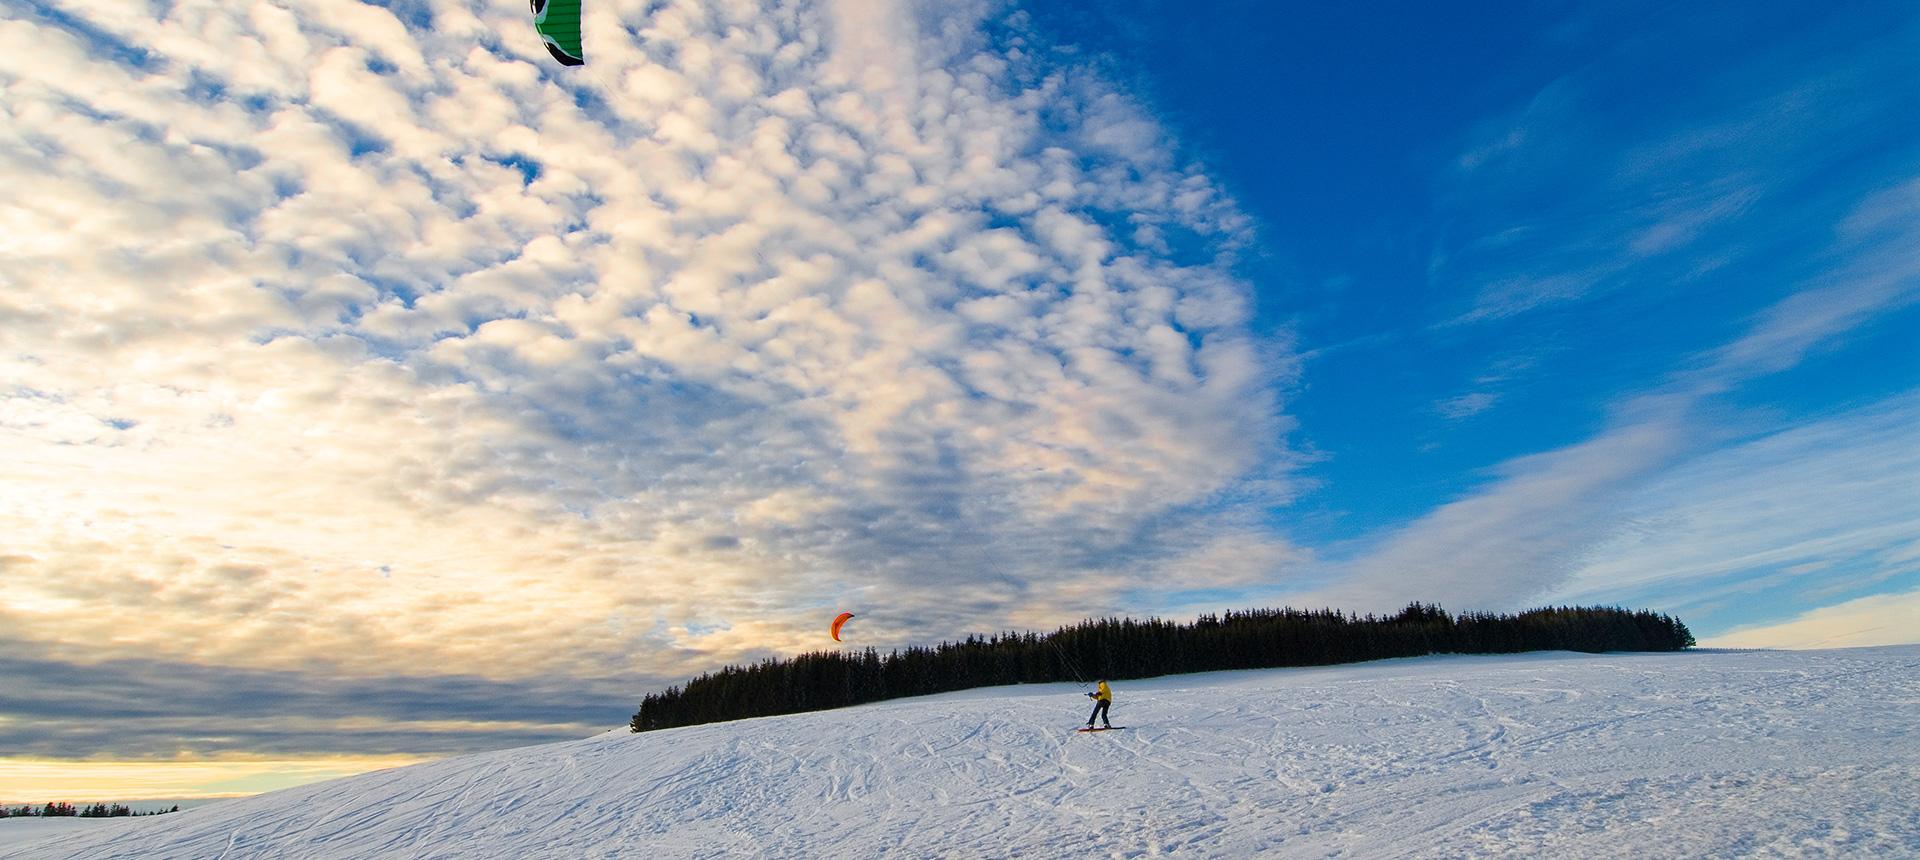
1701	754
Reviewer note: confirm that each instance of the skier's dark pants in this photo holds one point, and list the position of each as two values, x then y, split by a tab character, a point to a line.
1099	710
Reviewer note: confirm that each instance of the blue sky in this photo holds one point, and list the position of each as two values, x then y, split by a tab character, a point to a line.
1487	228
1346	131
360	362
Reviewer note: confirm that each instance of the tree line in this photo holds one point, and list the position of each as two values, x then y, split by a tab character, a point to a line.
1119	648
68	810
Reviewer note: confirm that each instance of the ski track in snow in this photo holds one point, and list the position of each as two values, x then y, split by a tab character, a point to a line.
1699	754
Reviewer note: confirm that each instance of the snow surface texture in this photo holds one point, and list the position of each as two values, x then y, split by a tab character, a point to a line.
14	831
1701	754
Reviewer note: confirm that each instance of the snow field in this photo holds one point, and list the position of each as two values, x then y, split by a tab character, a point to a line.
1699	754
16	831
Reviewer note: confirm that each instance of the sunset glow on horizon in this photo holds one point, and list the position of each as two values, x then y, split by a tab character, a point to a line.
37	781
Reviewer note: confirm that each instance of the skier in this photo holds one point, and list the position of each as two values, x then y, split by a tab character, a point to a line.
1101	697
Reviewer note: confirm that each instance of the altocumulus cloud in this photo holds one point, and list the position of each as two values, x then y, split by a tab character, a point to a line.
356	339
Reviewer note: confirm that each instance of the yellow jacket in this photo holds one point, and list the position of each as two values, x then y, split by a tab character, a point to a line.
1104	694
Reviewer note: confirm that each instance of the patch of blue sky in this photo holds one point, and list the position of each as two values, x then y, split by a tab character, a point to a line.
240	157
583	203
996	220
1878	361
391	287
287	186
99	41
416	14
358	139
588	100
528	167
1173	602
450	196
268	334
25	393
360	143
206	89
706	628
144	131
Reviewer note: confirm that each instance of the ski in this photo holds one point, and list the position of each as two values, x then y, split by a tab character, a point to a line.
1101	729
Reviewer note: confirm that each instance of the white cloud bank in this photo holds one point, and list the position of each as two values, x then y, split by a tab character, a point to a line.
1822	507
331	337
1882	619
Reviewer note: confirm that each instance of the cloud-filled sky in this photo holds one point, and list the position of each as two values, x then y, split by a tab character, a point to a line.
372	386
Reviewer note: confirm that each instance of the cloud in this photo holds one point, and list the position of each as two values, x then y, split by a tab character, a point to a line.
1882	619
340	344
1823	503
1651	498
1778	175
1466	405
1592	189
1505	545
1882	274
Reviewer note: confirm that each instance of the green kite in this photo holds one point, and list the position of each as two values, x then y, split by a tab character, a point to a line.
559	24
